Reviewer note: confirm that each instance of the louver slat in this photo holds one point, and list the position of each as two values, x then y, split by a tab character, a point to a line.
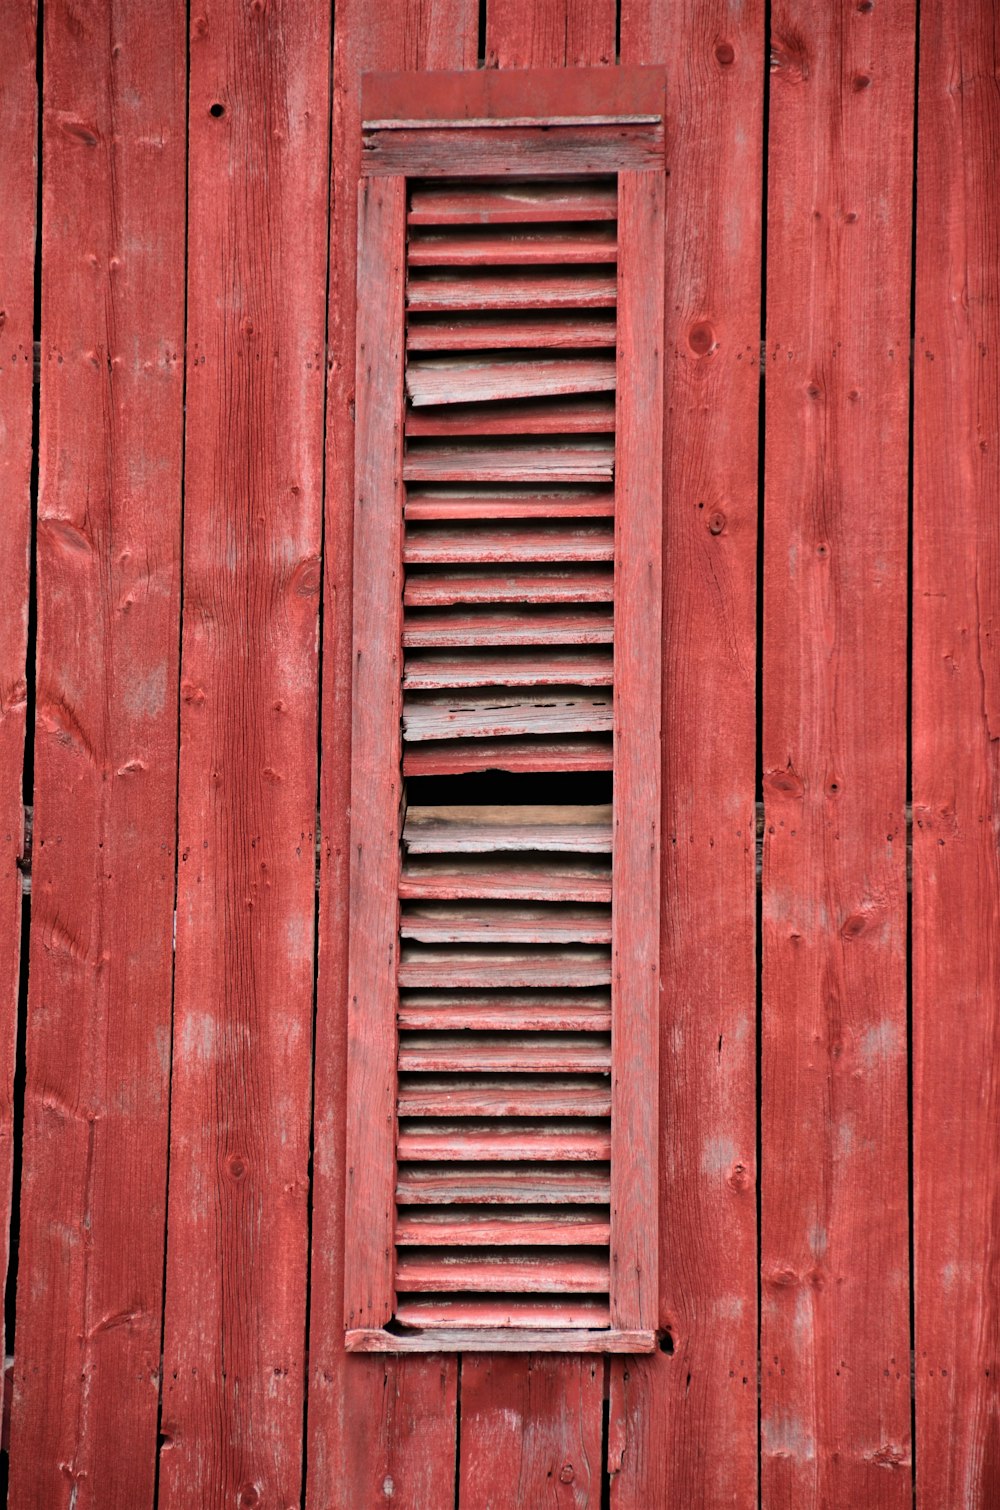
503	650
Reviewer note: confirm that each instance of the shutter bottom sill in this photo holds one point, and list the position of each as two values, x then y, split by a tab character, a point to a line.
498	1340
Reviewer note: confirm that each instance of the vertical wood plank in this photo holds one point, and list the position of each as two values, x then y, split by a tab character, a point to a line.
18	168
956	778
635	948
98	1045
684	1426
376	795
353	1444
537	1430
510	1416
549	33
239	1168
835	1405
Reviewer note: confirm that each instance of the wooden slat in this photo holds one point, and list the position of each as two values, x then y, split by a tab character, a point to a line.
502	1311
434	505
508	1140
508	543
493	830
668	1411
545	289
528	1339
569	461
242	1073
505	923
587	624
497	713
567	965
506	1270
381	1419
96	1100
490	1184
545	753
541	878
563	1052
493	377
473	332
512	246
509	1095
422	1226
835	1333
523	417
483	585
512	668
518	1011
444	151
530	202
956	781
18	176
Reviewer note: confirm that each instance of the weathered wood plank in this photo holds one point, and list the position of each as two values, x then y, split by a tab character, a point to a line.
443	151
239	1168
956	779
18	173
84	1418
492	376
371	1423
504	204
684	1426
534	1422
835	1380
524	328
527	1185
521	1337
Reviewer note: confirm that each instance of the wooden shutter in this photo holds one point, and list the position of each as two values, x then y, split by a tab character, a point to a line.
504	971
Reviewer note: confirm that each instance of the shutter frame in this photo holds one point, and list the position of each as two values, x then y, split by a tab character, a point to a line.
399	146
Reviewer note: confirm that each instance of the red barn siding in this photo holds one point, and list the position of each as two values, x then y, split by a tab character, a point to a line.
178	1336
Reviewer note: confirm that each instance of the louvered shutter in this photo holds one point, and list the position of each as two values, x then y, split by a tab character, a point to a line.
504	908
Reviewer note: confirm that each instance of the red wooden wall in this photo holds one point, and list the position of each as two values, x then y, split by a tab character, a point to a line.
177	252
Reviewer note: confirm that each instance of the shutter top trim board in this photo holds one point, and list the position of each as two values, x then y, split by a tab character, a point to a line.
512	97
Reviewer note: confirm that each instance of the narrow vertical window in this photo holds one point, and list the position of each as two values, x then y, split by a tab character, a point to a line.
504	968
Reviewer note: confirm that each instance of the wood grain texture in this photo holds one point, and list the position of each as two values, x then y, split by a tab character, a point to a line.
835	1404
683	1427
558	1446
956	779
549	33
376	780
239	1168
523	1415
18	172
98	1048
369	1421
635	954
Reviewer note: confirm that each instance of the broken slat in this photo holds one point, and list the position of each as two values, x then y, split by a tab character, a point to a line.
514	1271
456	757
473	331
512	668
583	624
497	713
583	829
493	378
501	203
